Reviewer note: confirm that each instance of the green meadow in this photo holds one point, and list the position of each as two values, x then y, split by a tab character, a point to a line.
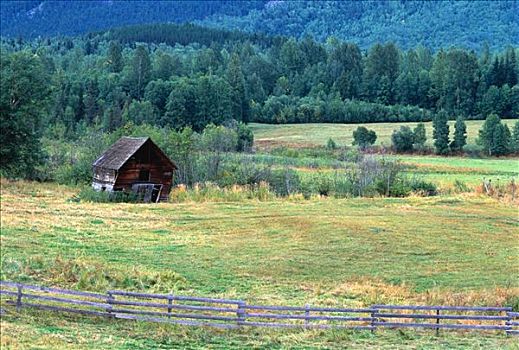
455	249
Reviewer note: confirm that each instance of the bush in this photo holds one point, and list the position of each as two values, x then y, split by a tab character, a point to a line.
403	139
461	187
363	137
284	182
90	195
423	187
331	145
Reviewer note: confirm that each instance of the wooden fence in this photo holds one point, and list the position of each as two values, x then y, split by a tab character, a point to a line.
229	313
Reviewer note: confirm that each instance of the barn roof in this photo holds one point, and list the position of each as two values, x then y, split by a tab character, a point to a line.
119	153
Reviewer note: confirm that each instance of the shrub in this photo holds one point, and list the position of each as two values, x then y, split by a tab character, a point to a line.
460	186
363	137
419	136
331	145
245	138
423	187
90	195
403	139
284	182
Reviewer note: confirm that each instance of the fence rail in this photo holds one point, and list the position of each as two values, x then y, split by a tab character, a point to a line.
230	313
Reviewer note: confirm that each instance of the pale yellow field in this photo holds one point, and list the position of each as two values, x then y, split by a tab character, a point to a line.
318	134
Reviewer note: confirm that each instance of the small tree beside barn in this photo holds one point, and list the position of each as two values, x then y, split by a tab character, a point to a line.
135	164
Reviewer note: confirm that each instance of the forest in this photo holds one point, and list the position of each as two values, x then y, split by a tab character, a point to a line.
434	24
185	76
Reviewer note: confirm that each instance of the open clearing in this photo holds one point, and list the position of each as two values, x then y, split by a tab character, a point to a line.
354	252
317	134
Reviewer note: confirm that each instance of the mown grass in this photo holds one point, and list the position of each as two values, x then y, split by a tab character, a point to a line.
449	250
445	171
317	134
31	330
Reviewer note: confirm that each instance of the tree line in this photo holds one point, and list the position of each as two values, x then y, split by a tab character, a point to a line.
495	137
103	82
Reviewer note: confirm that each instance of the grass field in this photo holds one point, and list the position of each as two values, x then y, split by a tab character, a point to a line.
449	249
445	171
304	135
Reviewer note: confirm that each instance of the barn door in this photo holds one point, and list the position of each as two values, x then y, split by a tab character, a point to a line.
155	194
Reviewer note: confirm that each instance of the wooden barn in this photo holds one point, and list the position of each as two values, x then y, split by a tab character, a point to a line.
135	164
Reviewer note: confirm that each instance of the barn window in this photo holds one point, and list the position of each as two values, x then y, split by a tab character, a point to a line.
144	175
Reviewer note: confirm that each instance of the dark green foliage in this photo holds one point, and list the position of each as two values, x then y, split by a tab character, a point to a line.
363	137
419	136
403	139
115	57
24	101
407	23
77	17
424	187
139	72
245	138
284	182
495	137
239	102
501	137
380	73
263	79
460	135
514	140
89	195
441	133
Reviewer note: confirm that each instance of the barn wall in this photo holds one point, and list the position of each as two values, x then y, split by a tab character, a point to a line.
104	179
147	158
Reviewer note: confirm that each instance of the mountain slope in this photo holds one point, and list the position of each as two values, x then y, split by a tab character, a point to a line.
433	24
408	23
49	18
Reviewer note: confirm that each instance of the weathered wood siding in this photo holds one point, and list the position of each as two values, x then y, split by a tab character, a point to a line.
147	158
104	179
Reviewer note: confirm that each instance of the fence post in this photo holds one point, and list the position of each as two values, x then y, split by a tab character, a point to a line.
109	300
437	322
373	319
240	313
19	298
170	303
307	315
508	322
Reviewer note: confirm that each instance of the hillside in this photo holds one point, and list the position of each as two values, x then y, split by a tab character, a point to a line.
410	23
49	18
433	24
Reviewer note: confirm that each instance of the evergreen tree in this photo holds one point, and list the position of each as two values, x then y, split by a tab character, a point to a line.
500	140
514	140
487	133
24	97
380	72
140	71
115	57
402	139
419	136
80	108
460	135
363	137
441	133
239	103
91	94
165	66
